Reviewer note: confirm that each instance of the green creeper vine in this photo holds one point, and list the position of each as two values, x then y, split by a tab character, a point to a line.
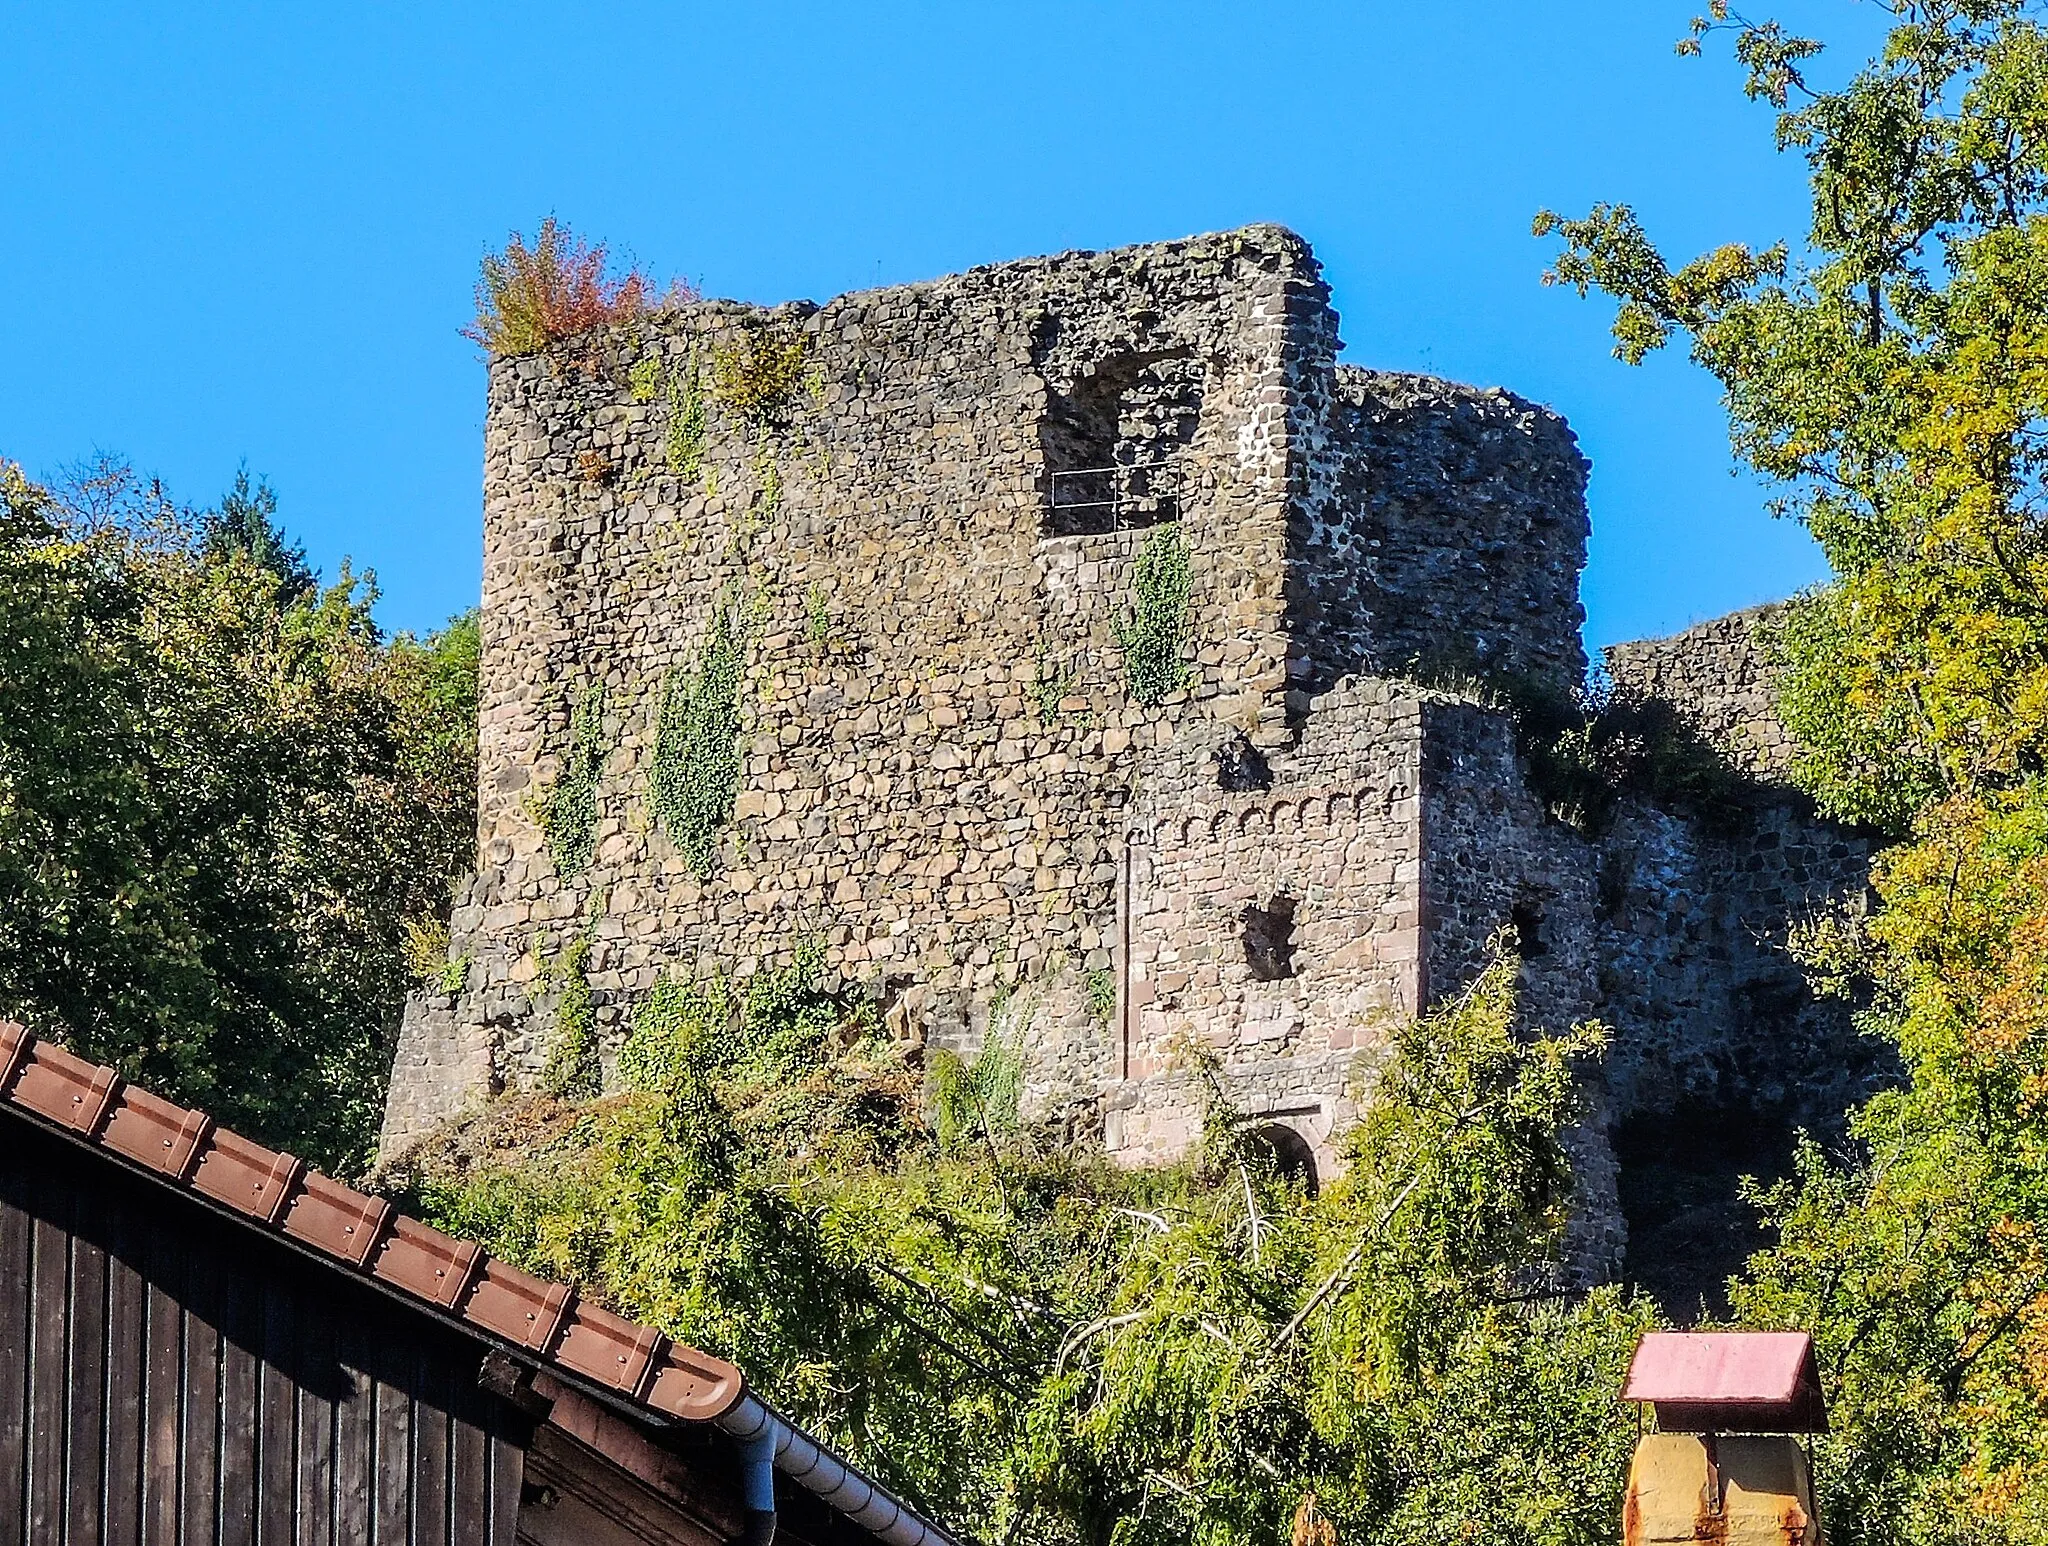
1155	629
1050	685
767	485
817	616
1101	986
671	1028
685	420
756	378
645	379
695	777
979	1100
567	812
573	1070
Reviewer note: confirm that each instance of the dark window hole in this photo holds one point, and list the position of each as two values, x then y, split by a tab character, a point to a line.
1269	939
1241	768
1527	917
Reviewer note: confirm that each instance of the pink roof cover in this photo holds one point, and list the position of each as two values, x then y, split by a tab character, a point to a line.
1764	1372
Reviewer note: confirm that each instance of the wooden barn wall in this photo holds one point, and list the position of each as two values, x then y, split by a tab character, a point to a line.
167	1377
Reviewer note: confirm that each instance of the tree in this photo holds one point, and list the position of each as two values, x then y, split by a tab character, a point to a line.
246	524
220	802
1040	1347
1891	375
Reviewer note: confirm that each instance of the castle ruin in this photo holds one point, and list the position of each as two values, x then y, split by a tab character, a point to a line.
1103	656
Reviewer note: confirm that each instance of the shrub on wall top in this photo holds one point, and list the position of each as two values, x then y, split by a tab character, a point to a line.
529	297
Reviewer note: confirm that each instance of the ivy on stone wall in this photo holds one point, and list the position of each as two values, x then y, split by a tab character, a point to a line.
567	812
644	379
695	777
755	378
572	1071
1155	628
767	497
1101	985
1050	685
685	420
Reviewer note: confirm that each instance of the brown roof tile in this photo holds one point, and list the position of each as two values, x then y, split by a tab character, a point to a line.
361	1233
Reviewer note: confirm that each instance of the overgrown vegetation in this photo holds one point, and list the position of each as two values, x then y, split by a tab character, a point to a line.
1891	377
684	444
225	799
1154	630
756	378
1040	1348
1585	751
694	778
1050	684
1101	988
572	1070
566	812
529	297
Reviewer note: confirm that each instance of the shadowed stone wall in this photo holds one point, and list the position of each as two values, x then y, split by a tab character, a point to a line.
941	750
925	544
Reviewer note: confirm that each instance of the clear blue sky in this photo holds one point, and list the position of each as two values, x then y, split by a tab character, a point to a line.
235	232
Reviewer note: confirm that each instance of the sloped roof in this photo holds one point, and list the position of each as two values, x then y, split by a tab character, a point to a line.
1722	1381
367	1236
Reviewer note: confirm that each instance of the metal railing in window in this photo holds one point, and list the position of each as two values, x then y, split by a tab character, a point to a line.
1121	497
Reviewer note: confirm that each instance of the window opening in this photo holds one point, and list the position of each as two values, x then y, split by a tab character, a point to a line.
1283	1152
1113	444
1241	768
1269	939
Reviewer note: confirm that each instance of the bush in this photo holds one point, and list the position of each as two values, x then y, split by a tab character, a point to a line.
1051	1351
530	297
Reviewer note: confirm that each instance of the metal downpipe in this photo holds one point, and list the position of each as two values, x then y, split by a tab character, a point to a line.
822	1474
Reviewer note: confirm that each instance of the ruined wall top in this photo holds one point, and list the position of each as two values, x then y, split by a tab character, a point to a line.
1717	675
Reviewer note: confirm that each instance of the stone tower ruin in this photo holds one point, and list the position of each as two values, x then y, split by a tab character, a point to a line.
1102	655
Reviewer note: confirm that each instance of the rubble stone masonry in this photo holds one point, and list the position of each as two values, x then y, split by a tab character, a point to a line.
927	545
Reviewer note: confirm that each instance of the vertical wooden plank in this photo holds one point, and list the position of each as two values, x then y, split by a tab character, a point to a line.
240	1412
47	1374
316	1421
17	1233
507	1467
470	1510
354	1440
430	1438
202	1396
85	1458
127	1317
393	1468
162	1389
277	1460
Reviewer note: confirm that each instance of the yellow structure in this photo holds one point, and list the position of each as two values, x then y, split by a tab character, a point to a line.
1748	1491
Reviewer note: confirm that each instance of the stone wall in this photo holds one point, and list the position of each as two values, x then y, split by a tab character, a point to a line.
1467	509
1717	674
928	569
1272	922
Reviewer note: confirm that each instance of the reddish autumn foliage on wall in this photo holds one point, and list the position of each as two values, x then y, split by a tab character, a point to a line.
530	296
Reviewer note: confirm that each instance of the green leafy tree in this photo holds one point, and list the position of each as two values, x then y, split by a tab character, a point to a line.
1042	1348
220	803
1891	375
245	523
